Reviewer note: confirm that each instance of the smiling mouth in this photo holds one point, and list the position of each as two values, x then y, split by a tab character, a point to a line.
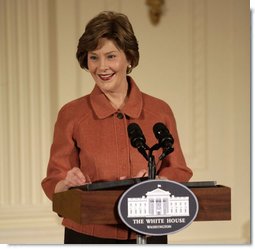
106	77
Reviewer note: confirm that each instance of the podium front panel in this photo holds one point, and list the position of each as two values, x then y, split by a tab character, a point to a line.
100	207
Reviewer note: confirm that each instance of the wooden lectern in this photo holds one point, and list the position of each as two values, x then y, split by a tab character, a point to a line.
100	206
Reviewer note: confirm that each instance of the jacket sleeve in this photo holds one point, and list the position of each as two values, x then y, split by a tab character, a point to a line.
174	166
63	154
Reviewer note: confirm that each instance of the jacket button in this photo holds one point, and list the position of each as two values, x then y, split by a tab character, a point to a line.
120	115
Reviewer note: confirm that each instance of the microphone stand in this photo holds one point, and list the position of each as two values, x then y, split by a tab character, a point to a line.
151	162
138	141
141	239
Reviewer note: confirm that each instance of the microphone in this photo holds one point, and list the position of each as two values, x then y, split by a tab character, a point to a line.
137	139
165	139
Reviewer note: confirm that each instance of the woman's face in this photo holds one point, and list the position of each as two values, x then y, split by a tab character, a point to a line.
108	66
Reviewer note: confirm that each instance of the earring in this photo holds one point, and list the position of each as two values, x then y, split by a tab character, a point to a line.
129	68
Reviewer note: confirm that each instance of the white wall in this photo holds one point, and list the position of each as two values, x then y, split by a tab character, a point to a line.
197	59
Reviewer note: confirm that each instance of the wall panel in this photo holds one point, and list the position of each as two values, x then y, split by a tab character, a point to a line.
25	120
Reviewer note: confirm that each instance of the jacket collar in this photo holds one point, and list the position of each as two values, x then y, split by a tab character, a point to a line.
103	108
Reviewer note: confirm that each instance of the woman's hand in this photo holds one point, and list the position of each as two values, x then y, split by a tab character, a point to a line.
74	177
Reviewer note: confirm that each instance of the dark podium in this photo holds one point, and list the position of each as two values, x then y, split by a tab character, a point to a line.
97	204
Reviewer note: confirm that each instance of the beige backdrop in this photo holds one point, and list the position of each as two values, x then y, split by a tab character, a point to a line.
197	59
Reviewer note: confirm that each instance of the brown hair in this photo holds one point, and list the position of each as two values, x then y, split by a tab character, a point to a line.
111	25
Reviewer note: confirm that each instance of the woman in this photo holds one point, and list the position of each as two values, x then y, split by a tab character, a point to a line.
90	137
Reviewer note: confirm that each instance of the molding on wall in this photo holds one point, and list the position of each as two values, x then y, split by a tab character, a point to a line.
198	151
25	114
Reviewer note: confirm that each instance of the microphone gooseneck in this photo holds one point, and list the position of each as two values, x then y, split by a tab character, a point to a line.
138	141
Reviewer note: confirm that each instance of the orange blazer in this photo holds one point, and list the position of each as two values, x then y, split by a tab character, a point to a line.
89	133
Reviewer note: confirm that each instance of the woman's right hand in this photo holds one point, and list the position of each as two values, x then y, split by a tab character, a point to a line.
74	177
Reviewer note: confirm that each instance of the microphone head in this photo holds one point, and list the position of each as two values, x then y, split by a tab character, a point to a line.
136	136
162	134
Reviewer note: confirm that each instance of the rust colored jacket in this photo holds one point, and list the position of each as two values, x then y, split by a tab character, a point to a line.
90	134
